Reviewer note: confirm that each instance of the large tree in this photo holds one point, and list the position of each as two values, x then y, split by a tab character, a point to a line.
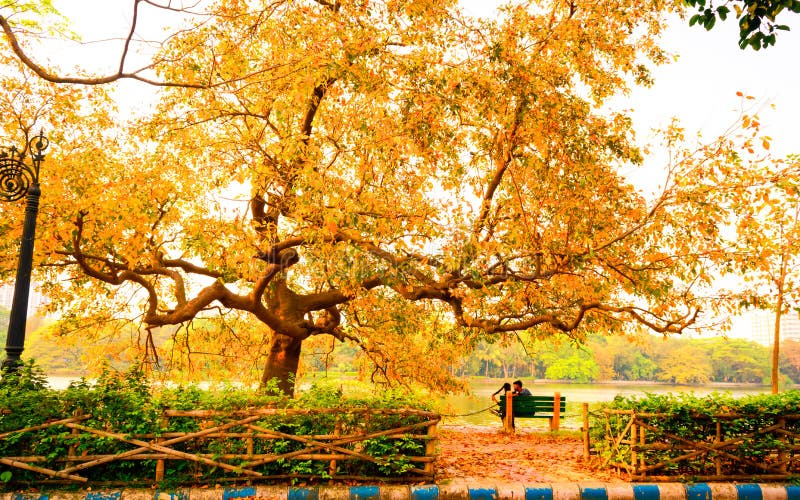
390	172
768	239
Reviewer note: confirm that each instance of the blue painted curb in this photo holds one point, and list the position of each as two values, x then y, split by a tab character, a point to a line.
749	492
543	491
646	492
594	493
793	492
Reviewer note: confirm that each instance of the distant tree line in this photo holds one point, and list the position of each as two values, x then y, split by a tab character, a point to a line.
676	360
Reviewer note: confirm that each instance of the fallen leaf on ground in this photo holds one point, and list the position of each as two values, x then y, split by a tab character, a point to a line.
480	454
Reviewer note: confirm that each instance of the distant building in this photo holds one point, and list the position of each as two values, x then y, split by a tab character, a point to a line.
759	326
35	299
763	326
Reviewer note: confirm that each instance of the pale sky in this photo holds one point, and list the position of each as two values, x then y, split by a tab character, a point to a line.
700	87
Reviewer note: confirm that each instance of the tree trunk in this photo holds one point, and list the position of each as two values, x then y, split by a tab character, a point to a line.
776	342
282	361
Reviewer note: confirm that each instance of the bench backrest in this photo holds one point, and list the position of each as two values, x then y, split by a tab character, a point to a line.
527	406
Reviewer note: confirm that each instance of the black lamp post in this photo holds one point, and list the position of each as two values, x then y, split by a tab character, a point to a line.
18	180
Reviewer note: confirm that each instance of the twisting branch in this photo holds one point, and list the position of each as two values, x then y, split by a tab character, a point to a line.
169	6
502	162
117	273
126	47
313	107
660	325
44	74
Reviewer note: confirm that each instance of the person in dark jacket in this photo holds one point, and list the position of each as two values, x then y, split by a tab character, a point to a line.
519	390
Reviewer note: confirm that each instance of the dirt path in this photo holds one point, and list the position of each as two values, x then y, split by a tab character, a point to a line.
484	454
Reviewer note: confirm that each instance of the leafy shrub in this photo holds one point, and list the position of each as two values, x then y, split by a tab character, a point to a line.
760	430
125	405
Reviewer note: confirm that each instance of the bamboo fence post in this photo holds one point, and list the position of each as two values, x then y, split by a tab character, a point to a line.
250	450
337	431
782	455
585	429
430	446
643	442
508	421
73	448
160	462
555	421
634	466
717	440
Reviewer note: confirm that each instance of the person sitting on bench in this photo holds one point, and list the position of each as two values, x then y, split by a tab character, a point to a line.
504	389
519	390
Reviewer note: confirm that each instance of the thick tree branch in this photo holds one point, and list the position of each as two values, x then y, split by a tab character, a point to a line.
660	325
185	310
504	145
313	107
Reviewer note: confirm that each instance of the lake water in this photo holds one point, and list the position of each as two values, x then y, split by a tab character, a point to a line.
472	410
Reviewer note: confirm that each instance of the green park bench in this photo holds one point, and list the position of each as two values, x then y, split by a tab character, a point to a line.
549	407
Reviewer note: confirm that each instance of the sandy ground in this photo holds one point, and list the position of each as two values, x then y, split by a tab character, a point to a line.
486	454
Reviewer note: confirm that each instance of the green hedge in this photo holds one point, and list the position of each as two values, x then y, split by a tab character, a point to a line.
127	404
762	430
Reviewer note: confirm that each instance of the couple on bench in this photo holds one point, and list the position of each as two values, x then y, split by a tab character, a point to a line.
552	407
518	390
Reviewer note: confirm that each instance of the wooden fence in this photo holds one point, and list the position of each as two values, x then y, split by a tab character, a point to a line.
250	445
719	447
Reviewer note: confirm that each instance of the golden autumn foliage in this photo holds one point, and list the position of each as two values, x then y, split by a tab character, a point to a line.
390	172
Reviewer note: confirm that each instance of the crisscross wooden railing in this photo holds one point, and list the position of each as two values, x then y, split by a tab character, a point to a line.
720	447
244	446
